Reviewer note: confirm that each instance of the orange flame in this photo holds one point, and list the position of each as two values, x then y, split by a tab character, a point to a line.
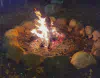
42	28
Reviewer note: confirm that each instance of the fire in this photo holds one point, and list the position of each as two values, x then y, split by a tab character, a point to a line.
41	31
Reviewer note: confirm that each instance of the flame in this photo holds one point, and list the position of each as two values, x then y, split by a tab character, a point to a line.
42	30
44	35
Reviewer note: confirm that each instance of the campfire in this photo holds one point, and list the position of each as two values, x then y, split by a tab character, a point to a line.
44	38
45	32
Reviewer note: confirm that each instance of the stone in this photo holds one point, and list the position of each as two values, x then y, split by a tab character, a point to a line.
69	29
88	31
10	38
12	33
72	23
11	43
28	25
15	50
82	32
97	53
97	44
76	28
61	21
20	29
82	60
53	19
96	35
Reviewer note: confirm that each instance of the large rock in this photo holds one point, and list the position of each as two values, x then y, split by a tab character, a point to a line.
82	60
12	33
76	28
10	38
96	35
15	51
11	43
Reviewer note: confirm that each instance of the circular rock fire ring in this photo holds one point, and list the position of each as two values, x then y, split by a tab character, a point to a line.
22	38
41	39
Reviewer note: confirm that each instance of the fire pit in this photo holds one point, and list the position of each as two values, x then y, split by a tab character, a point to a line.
41	38
46	40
